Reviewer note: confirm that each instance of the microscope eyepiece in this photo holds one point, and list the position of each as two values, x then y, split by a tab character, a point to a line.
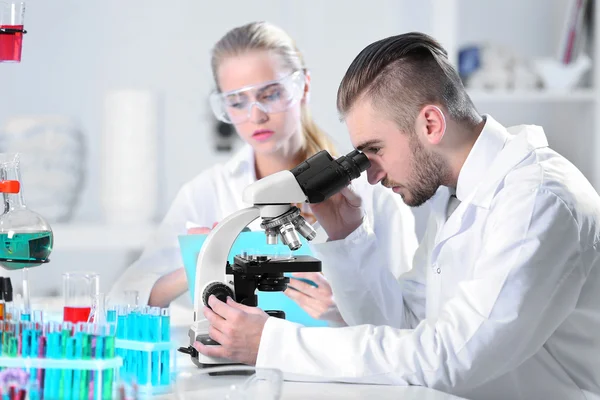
321	176
355	163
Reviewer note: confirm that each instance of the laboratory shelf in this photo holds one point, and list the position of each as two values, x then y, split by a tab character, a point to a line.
537	96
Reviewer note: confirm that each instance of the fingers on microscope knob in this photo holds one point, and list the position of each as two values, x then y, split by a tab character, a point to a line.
219	289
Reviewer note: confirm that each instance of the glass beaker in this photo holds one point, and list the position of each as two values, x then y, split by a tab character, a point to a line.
26	238
12	15
79	291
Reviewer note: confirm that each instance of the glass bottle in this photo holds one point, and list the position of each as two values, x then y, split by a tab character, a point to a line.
25	237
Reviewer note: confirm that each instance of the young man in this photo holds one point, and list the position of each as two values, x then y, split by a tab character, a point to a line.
503	301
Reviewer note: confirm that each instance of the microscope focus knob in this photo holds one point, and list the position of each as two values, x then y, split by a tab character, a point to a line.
219	289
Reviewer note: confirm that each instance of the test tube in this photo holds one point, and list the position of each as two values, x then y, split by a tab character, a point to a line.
165	359
2	304
111	314
86	354
26	310
144	357
122	334
1	337
51	345
109	352
155	337
27	327
132	298
12	14
133	356
8	297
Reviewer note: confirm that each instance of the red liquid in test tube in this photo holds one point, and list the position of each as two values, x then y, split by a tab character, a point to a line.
11	43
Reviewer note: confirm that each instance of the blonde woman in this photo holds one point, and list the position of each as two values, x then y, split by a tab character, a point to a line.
263	87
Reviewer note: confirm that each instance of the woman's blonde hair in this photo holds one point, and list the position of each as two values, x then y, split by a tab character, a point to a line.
264	36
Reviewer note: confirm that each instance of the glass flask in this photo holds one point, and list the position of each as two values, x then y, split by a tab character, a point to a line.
98	311
25	237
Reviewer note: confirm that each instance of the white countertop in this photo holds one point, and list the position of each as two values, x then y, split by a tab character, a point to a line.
305	390
290	390
331	391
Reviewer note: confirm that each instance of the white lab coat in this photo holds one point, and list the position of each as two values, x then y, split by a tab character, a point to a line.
217	192
503	301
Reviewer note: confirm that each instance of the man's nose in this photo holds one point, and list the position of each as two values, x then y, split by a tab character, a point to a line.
375	174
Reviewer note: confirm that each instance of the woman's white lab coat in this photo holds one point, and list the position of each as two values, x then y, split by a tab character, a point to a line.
503	301
217	192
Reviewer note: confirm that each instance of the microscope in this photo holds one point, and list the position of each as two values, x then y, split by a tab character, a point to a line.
313	181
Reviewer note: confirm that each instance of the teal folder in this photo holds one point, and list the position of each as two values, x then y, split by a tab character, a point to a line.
252	243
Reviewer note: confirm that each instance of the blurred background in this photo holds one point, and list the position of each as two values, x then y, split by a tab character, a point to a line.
65	106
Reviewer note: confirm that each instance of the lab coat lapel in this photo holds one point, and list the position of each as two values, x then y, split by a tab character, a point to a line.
456	224
528	139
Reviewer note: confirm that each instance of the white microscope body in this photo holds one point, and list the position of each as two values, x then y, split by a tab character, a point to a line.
312	181
272	197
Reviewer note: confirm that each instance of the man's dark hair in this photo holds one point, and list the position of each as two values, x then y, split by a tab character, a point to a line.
400	75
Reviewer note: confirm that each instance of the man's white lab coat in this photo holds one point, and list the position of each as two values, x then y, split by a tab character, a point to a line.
503	301
217	193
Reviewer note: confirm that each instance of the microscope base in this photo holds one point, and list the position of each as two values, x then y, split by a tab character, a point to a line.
200	334
203	362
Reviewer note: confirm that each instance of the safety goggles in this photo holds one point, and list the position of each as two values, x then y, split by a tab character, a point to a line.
235	107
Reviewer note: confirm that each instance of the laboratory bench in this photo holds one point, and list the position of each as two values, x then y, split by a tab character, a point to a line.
290	390
310	390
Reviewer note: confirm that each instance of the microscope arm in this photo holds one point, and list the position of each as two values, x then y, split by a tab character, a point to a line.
215	252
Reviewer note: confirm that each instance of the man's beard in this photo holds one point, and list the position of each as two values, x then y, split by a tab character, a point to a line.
429	172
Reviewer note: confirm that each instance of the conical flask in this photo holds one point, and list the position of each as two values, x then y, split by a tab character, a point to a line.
25	237
98	311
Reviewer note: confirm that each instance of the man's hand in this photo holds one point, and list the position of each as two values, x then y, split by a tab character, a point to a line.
339	215
238	328
316	301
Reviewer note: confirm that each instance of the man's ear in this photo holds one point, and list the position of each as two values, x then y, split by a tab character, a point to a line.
432	123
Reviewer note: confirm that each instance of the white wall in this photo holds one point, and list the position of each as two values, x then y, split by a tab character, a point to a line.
532	29
76	50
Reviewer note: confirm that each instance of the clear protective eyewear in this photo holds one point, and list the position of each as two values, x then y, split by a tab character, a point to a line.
235	107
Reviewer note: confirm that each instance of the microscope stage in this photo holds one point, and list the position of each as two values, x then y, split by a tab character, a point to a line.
260	264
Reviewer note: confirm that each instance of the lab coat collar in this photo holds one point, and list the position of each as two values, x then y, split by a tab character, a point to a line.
495	153
488	145
241	161
522	141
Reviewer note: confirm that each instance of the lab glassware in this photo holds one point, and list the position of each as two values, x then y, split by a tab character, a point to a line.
79	291
12	14
230	382
26	238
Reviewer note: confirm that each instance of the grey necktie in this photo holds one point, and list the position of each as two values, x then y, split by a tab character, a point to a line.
453	203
